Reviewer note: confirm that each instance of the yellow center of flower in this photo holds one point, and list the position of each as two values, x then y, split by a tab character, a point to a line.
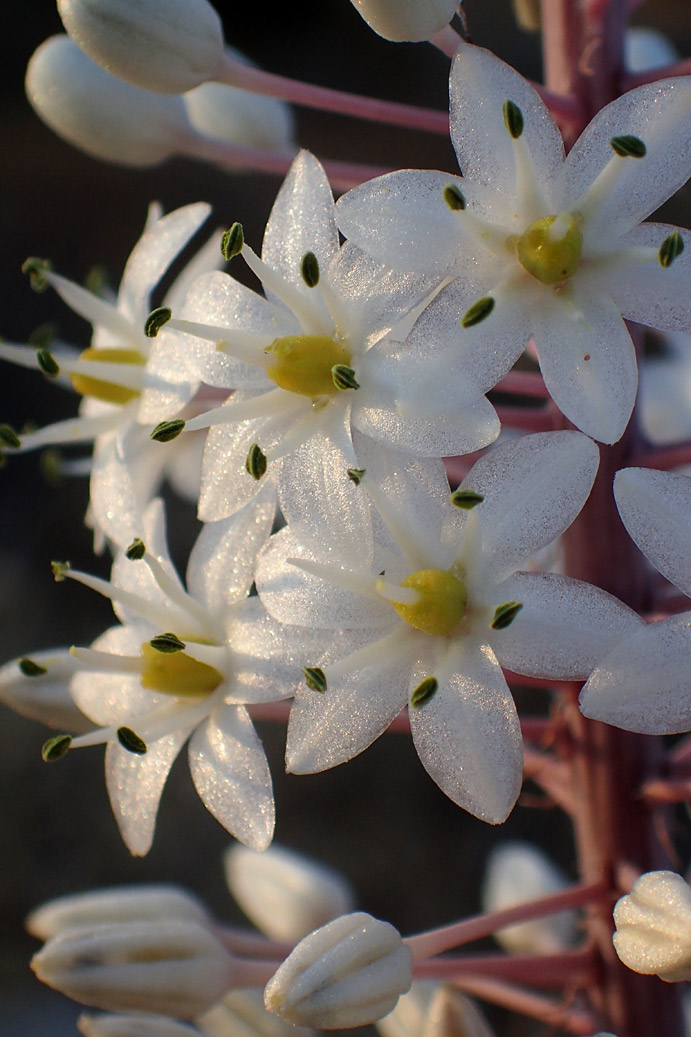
175	673
550	249
109	392
441	603
303	364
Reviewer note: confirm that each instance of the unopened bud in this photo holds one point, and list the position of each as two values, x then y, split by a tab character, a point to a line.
175	968
168	46
433	1009
285	894
406	20
134	1026
100	114
349	973
654	926
124	904
518	872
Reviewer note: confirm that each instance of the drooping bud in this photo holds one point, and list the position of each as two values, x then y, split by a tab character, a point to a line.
654	926
124	904
406	20
171	967
168	46
283	893
100	114
241	116
134	1026
349	973
517	872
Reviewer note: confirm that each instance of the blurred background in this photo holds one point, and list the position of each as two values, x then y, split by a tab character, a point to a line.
415	859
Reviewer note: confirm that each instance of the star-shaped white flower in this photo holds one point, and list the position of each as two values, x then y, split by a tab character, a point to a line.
315	358
127	380
431	596
541	245
644	684
182	662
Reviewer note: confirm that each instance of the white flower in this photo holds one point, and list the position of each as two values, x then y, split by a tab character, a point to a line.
284	893
654	926
644	683
184	663
166	45
517	872
349	973
126	380
315	357
541	245
411	20
172	968
432	599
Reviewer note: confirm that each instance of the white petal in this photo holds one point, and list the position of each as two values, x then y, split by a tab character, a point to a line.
564	629
231	775
660	115
113	698
648	292
644	684
44	697
402	219
479	85
328	728
468	736
588	362
113	499
533	488
170	383
135	784
153	254
221	565
301	220
656	510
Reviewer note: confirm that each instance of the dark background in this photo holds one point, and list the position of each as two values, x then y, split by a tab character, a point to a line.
415	858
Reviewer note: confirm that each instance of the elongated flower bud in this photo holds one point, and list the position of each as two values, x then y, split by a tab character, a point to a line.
133	1026
240	116
100	114
104	906
349	973
285	894
407	20
169	46
654	926
517	872
173	968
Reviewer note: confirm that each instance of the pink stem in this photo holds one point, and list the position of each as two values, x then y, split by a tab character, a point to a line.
435	941
246	943
663	791
530	419
663	457
652	75
447	40
247	973
541	970
237	73
523	383
342	175
536	1006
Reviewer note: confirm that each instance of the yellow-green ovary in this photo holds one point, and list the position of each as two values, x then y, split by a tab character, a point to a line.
441	603
175	673
550	249
109	392
302	364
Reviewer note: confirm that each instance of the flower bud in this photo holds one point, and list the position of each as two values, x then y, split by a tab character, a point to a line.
172	968
241	1013
124	904
517	872
240	116
349	973
647	48
406	20
133	1026
283	893
654	926
433	1009
169	46
102	115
